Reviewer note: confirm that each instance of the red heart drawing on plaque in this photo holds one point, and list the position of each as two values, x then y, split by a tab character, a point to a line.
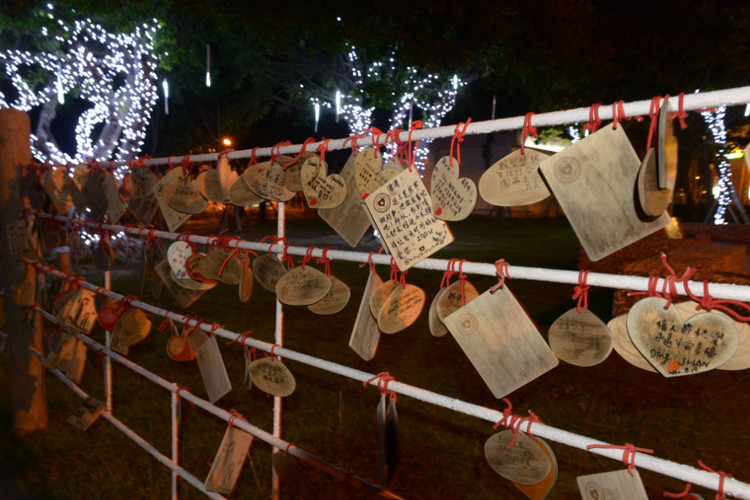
453	197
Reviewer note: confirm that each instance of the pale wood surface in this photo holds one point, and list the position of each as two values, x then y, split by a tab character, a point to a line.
453	197
580	338
379	294
540	490
172	217
335	300
142	203
514	180
615	485
401	309
653	201
369	172
183	195
365	334
594	181
210	364
272	376
267	180
701	343
115	206
268	271
321	190
525	463
624	346
86	414
437	327
450	301
302	286
402	212
208	184
501	341
228	462
245	289
184	297
349	219
667	150
241	195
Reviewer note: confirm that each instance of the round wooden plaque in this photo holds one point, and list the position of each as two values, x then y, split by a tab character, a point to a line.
624	346
245	289
525	463
540	490
183	196
241	195
192	266
378	296
514	180
401	309
450	302
581	339
652	200
437	327
208	184
272	376
268	271
132	327
302	287
335	300
177	255
266	179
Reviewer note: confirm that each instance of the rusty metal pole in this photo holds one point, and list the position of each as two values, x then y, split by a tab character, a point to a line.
27	389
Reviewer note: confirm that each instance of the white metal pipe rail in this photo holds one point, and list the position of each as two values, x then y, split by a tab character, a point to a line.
692	102
616	281
732	487
276	442
130	433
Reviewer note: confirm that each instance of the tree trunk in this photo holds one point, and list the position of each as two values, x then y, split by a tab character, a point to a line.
27	391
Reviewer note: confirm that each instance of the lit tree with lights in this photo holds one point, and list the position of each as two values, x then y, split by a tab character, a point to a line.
114	73
411	90
715	122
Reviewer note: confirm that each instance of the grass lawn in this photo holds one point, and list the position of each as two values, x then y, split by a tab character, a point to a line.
683	419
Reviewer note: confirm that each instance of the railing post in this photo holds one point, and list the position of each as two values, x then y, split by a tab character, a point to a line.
175	436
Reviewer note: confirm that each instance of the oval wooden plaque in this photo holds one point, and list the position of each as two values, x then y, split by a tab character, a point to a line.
540	490
335	300
211	262
675	348
450	302
321	190
378	296
224	177
132	327
525	463
652	200
177	256
241	195
272	376
268	271
302	286
437	327
453	198
208	184
401	309
266	179
192	267
245	289
184	196
624	346
581	339
514	180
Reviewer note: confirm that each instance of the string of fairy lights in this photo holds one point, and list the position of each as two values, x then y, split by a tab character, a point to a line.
715	122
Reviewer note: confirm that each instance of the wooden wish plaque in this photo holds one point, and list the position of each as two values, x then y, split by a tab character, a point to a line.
436	325
741	358
667	150
172	217
540	490
86	414
580	338
501	341
302	286
94	199
401	308
624	346
451	300
115	206
594	182
268	271
675	347
365	333
241	195
402	212
453	197
211	364
514	180
321	190
616	485
370	174
526	462
229	459
335	300
185	297
266	179
651	200
272	376
349	219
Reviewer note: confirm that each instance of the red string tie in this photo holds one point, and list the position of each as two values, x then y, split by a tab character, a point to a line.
184	389
376	133
581	293
654	114
394	270
234	415
369	260
448	273
186	165
680	113
276	150
458	138
682	494
594	121
720	495
412	146
514	422
527	129
383	378
325	261
302	151
502	271
628	455
462	278
323	149
253	157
